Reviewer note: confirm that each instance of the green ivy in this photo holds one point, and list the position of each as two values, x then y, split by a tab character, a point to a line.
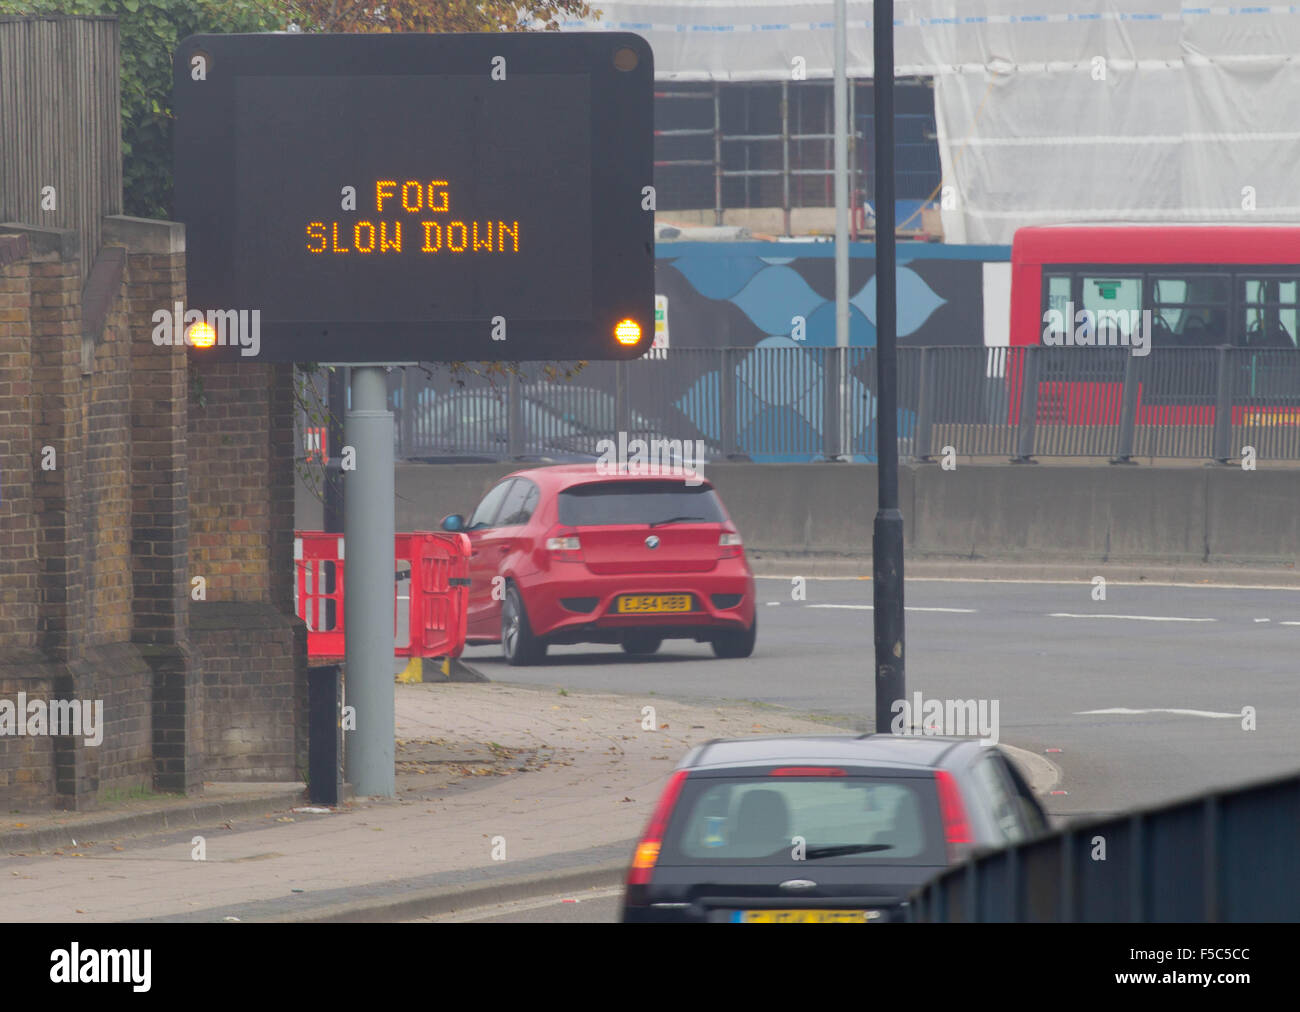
150	30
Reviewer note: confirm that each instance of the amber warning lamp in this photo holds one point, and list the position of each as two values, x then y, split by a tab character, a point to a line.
627	332
202	335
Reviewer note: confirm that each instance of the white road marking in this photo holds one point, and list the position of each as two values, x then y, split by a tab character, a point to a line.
1184	713
1132	618
1063	583
774	604
870	607
1289	623
1265	620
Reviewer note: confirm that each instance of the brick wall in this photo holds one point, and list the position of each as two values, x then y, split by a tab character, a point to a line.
59	477
65	601
18	520
254	680
142	486
241	542
163	470
107	412
159	412
229	476
160	518
26	763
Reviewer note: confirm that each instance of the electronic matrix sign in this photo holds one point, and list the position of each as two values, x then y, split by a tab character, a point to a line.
385	198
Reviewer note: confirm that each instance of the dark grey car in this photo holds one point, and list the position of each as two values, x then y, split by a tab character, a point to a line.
821	828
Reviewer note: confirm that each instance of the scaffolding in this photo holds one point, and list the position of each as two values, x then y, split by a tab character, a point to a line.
790	135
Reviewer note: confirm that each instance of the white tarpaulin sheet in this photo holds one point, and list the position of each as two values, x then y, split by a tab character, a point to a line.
1047	110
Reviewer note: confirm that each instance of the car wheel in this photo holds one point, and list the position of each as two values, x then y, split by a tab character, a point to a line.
736	643
639	643
518	644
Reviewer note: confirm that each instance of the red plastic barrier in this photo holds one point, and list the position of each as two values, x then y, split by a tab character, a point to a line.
315	442
437	598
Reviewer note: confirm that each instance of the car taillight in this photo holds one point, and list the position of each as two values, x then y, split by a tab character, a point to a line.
563	544
647	851
729	545
956	830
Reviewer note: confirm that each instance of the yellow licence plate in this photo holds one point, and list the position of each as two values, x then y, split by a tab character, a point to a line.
654	602
801	916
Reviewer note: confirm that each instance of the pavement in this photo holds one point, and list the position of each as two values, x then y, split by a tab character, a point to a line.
504	792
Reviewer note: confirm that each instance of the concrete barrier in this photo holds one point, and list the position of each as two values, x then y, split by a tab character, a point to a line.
1252	515
1173	516
428	492
1075	513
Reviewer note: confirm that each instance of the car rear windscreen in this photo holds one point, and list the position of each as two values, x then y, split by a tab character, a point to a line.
839	820
638	502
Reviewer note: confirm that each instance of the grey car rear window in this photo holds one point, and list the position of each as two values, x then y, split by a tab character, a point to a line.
637	502
853	820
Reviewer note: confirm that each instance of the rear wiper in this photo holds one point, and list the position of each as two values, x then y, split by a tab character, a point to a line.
852	848
675	520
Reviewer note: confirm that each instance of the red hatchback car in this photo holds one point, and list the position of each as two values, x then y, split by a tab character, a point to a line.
570	555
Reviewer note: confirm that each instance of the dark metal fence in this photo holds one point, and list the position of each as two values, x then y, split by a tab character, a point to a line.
1225	857
791	403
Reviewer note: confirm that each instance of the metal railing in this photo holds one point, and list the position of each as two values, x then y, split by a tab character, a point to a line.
1224	857
790	403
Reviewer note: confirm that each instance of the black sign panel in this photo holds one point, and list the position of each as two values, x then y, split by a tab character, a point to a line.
385	198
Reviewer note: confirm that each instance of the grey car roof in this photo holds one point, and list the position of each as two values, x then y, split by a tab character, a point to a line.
918	752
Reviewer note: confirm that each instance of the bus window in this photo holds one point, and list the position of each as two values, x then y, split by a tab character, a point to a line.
1269	306
1111	294
1190	310
1058	300
1058	292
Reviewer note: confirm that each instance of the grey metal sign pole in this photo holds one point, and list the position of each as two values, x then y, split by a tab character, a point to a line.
369	538
841	110
887	538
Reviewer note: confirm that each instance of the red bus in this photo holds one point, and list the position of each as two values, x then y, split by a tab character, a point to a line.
1163	288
